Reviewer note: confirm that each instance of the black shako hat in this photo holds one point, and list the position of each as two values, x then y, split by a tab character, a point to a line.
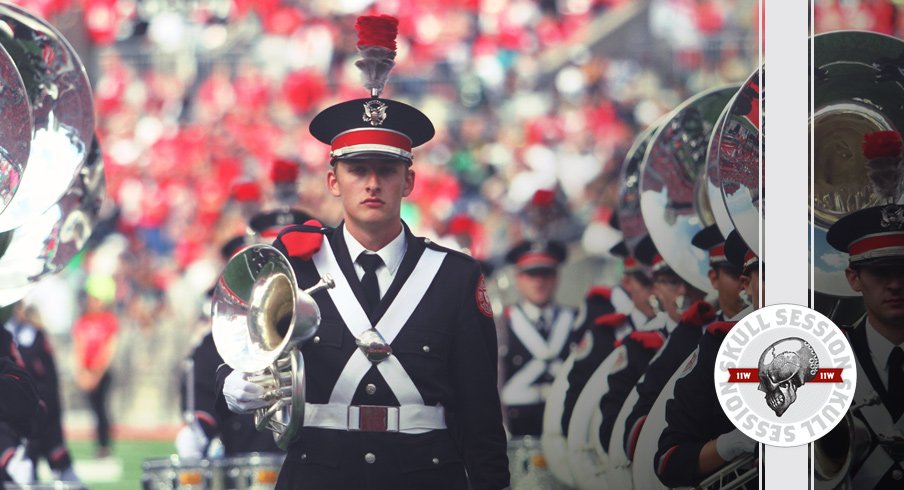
871	236
647	253
373	127
528	255
738	253
711	240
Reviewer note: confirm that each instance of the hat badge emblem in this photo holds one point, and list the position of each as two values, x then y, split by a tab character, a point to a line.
374	112
892	217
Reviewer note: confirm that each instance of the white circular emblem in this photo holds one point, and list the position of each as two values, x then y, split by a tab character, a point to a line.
785	375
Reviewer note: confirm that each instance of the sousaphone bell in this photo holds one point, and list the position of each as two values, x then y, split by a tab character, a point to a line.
259	318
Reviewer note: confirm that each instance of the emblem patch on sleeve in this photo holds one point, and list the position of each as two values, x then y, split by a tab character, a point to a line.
483	301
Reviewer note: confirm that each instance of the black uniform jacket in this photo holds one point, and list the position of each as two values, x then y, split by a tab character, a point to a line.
640	347
693	416
527	419
857	337
236	431
682	341
20	404
37	354
447	347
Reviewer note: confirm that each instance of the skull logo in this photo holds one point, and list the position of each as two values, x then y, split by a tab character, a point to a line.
784	367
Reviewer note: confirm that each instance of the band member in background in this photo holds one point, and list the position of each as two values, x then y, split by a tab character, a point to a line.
673	294
20	410
699	438
47	441
416	406
94	337
874	239
608	317
725	278
236	431
534	335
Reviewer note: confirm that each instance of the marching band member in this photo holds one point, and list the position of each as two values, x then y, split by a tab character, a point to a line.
416	405
48	440
535	335
699	438
236	431
725	279
671	293
874	239
19	410
609	315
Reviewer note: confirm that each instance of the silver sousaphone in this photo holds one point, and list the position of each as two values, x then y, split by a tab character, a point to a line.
673	196
259	317
48	242
61	115
858	89
15	129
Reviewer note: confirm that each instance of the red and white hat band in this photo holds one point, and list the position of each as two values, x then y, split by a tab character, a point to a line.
658	263
630	264
362	140
749	259
537	260
877	246
717	254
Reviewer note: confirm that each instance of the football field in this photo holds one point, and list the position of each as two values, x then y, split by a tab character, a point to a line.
120	471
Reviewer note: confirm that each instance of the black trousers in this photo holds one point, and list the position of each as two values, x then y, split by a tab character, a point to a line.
98	400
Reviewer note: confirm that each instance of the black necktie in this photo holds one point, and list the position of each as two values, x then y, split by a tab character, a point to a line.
896	383
370	263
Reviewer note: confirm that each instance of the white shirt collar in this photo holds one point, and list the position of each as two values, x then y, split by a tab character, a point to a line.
879	346
392	254
533	311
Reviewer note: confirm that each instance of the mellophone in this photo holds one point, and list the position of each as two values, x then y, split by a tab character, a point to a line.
252	471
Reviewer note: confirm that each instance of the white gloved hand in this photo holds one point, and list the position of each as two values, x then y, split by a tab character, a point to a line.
733	444
242	396
191	442
20	468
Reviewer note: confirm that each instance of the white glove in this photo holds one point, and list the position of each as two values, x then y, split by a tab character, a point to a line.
191	442
242	396
733	444
20	468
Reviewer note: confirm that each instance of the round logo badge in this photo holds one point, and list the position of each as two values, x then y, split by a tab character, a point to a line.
785	375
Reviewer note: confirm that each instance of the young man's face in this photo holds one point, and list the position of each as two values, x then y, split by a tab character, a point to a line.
668	287
638	291
751	284
371	190
727	282
537	286
883	291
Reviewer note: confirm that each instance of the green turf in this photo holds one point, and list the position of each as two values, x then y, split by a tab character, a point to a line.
130	453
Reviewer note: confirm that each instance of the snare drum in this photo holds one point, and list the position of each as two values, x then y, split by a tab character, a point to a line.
528	466
252	471
174	473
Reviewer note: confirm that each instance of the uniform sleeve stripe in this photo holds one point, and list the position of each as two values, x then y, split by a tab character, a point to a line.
664	461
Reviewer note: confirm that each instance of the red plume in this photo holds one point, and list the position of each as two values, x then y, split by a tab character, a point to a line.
377	30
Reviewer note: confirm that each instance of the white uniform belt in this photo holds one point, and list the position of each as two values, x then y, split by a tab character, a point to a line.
374	418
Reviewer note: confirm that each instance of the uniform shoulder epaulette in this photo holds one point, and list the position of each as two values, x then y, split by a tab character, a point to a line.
441	248
612	320
301	241
648	340
719	327
602	292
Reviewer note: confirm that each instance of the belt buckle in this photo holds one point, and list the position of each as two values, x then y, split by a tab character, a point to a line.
373	418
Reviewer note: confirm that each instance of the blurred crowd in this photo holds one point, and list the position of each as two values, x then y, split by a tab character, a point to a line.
195	100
